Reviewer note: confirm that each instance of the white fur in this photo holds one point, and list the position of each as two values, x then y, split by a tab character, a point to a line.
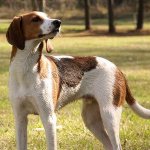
100	83
63	56
47	23
141	111
47	26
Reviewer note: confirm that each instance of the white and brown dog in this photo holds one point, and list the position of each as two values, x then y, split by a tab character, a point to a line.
41	84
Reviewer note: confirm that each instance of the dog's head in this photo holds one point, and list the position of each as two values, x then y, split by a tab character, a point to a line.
34	25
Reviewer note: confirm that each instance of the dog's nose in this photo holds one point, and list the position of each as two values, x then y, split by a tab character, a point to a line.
57	23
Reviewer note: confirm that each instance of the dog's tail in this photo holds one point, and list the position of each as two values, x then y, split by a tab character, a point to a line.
135	106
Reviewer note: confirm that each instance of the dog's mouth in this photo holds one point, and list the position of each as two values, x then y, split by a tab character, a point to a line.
50	35
56	30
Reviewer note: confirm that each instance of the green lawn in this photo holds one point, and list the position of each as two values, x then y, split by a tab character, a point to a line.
130	53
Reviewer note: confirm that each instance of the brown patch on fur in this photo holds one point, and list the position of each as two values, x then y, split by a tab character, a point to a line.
43	71
43	66
86	63
42	63
56	81
31	29
72	70
119	91
129	98
15	34
13	53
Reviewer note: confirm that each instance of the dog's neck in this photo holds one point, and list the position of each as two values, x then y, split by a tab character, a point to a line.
31	46
25	60
29	52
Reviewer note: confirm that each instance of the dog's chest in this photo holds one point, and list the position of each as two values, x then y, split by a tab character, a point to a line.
22	82
23	96
20	76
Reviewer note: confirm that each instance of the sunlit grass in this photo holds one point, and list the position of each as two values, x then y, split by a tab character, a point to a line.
3	26
131	54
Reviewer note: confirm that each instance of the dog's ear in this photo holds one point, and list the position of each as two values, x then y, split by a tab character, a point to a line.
49	46
15	34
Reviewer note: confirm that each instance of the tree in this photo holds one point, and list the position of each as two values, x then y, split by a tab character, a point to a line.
140	15
34	5
87	15
111	17
42	5
38	5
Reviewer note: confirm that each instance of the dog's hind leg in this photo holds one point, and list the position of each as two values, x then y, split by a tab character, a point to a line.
92	119
111	120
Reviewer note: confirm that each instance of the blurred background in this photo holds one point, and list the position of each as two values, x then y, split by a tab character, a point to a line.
118	30
84	12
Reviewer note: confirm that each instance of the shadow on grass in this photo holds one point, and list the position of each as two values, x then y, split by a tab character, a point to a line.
82	33
77	30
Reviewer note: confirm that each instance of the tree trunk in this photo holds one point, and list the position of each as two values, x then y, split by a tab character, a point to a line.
140	15
111	17
87	15
38	5
34	5
42	5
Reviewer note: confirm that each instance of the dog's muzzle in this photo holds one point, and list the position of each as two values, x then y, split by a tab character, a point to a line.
56	28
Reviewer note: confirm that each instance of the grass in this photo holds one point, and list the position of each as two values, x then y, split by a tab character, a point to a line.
130	53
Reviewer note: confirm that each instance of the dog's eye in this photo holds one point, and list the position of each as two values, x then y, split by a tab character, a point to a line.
36	19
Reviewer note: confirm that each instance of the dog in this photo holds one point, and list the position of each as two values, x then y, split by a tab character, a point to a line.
42	85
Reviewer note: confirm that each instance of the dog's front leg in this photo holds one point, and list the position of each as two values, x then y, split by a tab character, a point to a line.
21	129
49	123
48	117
